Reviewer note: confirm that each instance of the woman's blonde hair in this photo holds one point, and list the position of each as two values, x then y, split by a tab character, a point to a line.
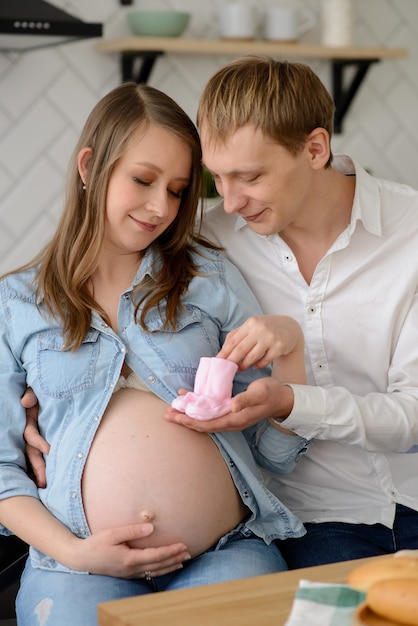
286	101
67	263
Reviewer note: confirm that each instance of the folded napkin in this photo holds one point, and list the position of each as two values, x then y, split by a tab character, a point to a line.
323	604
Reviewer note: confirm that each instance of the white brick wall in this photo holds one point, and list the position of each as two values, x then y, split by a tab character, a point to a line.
45	96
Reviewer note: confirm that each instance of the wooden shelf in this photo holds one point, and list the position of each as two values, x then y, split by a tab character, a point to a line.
182	45
148	49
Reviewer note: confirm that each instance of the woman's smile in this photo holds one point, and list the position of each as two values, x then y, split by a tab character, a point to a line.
147	226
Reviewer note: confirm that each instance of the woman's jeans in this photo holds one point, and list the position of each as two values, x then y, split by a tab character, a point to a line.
50	598
329	542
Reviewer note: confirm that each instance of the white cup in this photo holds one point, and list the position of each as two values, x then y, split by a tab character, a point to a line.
337	24
287	24
237	21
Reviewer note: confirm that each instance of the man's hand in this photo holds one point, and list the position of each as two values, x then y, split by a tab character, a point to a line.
264	398
36	446
261	340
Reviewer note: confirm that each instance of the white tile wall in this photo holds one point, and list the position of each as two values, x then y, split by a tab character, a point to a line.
45	96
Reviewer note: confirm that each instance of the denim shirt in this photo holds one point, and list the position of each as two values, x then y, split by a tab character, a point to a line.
74	388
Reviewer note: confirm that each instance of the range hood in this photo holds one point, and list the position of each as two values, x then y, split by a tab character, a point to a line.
31	24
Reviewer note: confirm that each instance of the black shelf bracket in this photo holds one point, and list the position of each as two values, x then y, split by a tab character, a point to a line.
137	66
342	92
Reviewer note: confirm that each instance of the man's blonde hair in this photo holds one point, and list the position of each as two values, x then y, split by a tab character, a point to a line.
286	101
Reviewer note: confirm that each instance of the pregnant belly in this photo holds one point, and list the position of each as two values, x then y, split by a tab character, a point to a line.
142	467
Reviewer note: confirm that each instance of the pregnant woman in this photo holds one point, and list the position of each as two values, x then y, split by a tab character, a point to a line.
106	324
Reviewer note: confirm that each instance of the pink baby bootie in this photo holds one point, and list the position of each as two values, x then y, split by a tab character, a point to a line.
212	390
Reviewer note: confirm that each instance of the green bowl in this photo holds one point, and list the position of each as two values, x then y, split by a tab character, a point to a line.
158	23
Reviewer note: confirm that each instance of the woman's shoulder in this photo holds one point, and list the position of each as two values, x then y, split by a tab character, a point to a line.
218	273
209	260
206	257
20	284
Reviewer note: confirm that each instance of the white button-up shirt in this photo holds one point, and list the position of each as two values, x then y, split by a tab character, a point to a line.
359	316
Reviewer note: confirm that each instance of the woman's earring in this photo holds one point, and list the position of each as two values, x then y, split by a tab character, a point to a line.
84	187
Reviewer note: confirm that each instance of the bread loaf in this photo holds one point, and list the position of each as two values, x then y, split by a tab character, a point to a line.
395	599
391	587
383	568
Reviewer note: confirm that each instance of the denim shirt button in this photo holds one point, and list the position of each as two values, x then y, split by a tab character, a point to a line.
231	463
151	379
246	494
74	495
80	455
82	531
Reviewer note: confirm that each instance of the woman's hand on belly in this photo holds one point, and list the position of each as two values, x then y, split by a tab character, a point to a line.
109	553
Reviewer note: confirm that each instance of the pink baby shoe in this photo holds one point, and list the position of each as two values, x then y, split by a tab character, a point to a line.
212	390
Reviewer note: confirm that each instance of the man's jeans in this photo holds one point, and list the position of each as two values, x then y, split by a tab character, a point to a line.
330	542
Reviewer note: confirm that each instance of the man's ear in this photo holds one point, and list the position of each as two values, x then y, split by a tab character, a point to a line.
319	147
84	158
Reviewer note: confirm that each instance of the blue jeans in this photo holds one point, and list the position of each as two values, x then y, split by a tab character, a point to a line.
48	598
329	542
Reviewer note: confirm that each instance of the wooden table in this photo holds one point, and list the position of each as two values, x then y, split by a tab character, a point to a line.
264	600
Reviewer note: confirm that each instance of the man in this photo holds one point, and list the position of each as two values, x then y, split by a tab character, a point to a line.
322	241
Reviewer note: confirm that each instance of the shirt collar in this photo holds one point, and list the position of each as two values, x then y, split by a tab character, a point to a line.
240	222
150	265
366	205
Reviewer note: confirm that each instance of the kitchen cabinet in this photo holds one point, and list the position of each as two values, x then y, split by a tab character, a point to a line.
349	64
